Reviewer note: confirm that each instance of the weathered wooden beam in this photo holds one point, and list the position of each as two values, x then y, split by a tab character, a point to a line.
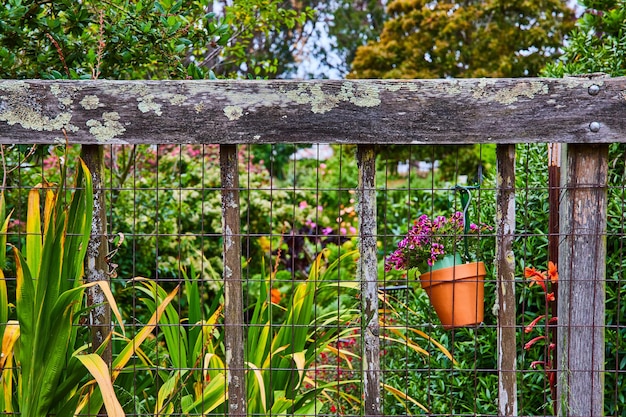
233	291
575	110
505	272
368	275
581	291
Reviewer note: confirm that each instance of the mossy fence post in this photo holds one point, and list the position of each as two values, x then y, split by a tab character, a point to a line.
96	265
368	277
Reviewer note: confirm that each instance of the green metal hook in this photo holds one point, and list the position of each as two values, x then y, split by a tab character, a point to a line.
466	198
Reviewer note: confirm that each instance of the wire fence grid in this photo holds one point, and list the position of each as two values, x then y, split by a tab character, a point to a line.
294	251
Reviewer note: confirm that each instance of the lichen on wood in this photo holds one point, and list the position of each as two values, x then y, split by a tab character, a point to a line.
274	111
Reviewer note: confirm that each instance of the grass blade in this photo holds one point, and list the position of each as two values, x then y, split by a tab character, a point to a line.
33	232
402	396
11	334
99	370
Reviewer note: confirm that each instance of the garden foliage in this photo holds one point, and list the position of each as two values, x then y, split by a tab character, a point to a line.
144	39
299	217
443	39
45	365
597	44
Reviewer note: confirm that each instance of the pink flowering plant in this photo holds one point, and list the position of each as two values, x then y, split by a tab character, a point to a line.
432	240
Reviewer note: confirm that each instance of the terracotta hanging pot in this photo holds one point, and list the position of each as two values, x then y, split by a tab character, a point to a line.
457	293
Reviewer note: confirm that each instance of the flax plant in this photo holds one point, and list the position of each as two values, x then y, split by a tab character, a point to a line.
281	349
193	378
279	356
45	370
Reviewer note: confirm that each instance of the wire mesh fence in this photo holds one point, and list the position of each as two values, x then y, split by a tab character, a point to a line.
309	337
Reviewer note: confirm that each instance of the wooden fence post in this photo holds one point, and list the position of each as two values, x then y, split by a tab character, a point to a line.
368	274
96	266
505	272
554	197
233	295
581	292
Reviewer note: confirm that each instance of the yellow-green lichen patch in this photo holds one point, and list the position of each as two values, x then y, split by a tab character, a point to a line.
15	87
177	99
32	119
147	104
451	88
108	128
582	82
90	102
233	112
361	95
19	106
321	102
199	107
64	95
393	86
487	90
313	94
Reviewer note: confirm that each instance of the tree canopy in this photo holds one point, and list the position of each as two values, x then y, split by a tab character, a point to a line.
439	39
161	39
598	44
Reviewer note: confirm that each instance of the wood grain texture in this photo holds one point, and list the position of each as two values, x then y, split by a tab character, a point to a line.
96	264
356	111
233	287
581	289
505	272
368	275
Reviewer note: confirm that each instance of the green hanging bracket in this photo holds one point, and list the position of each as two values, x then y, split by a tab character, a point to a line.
466	198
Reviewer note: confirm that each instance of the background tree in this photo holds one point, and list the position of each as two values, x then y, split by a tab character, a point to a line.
143	39
180	39
598	44
440	39
338	29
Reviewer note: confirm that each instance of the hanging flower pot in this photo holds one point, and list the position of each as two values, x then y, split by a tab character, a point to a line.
453	282
457	293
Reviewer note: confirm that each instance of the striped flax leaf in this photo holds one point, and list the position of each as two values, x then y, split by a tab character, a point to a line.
33	232
94	401
49	300
100	372
170	324
4	299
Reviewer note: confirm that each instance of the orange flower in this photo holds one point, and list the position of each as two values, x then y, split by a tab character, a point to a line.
275	295
533	341
532	324
536	277
553	273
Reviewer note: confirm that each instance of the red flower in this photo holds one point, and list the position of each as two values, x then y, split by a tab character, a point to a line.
534	364
553	273
533	341
532	324
536	277
333	409
276	296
